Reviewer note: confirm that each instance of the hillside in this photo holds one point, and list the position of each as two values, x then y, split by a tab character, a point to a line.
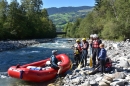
55	10
61	16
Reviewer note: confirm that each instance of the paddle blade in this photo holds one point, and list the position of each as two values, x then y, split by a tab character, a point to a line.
79	66
71	65
90	62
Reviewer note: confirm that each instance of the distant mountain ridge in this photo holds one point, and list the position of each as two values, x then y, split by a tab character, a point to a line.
54	10
62	16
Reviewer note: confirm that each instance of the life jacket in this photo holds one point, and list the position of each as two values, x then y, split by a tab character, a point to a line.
53	61
76	51
95	43
78	47
108	65
85	45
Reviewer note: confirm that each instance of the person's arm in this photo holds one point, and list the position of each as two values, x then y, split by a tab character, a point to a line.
100	41
100	54
87	45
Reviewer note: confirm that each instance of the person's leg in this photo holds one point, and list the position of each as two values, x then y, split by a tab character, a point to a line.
94	57
97	53
86	57
59	70
82	59
104	65
102	62
76	59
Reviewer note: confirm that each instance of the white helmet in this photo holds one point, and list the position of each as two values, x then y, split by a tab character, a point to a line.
95	36
54	51
91	35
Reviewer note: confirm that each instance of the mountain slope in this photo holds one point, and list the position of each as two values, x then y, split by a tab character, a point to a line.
55	10
61	16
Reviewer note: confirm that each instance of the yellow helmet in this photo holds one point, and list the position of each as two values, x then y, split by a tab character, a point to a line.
77	40
84	39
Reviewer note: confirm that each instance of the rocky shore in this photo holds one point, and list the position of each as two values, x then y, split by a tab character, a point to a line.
11	45
119	52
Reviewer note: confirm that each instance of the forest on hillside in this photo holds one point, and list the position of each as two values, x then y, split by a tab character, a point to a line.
60	19
110	19
25	20
54	10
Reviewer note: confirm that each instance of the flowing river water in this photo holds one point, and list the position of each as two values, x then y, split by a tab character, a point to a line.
31	54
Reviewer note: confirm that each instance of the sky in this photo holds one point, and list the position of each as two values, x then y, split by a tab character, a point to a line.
65	3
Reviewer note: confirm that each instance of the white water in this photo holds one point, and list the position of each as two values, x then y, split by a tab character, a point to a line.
27	55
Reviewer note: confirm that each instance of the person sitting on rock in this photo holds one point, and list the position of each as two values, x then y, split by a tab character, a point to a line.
108	67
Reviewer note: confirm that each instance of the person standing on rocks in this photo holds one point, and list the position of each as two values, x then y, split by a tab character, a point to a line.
85	46
95	48
77	52
102	57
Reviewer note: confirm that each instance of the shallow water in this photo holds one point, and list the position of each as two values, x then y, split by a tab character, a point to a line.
28	55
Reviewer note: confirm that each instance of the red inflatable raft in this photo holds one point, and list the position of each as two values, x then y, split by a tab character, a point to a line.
38	71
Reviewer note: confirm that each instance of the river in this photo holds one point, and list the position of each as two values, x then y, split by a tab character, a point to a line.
31	54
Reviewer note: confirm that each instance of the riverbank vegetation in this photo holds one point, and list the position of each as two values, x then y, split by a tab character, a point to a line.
110	19
25	20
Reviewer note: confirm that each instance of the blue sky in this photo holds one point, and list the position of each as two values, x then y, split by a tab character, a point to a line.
66	3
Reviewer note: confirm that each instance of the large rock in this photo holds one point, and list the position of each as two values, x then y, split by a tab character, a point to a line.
102	83
87	83
124	63
119	82
119	75
98	79
108	77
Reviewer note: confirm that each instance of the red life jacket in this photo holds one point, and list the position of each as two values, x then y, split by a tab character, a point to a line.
79	47
95	44
108	64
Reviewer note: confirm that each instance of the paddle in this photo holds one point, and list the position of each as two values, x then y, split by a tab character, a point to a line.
71	65
90	61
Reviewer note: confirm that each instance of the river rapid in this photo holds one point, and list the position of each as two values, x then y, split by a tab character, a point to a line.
30	54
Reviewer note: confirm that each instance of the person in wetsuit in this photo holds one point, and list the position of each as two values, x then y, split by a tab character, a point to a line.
54	62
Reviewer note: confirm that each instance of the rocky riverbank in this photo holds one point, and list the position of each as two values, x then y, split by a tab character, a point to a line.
119	52
10	45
